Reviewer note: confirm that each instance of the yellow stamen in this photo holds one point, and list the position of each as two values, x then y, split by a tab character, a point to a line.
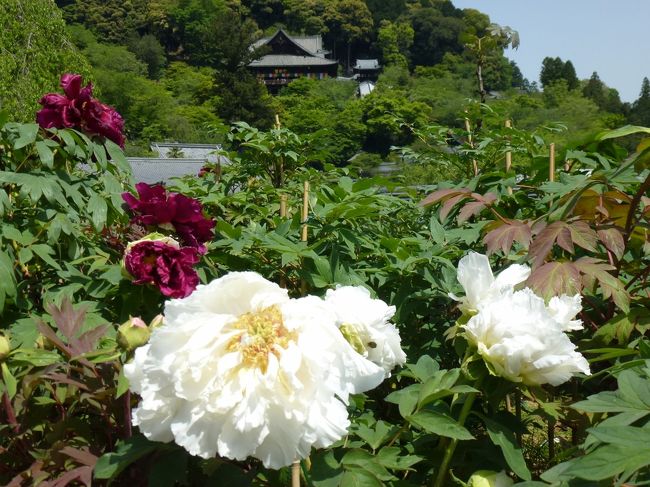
262	333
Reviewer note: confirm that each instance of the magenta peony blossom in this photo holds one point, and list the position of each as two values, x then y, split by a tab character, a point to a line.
185	215
163	264
78	109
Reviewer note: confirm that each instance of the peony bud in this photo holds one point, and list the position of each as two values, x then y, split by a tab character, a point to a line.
133	334
156	322
488	478
5	347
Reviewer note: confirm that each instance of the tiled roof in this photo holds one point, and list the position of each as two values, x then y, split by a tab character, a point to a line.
289	60
313	44
367	64
156	170
187	151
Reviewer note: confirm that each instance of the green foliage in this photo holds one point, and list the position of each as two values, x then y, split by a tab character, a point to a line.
554	70
394	41
56	209
34	51
111	20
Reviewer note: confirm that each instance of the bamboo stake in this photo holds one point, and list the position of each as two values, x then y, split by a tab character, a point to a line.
277	121
305	211
509	157
283	206
551	163
471	144
295	474
303	235
283	214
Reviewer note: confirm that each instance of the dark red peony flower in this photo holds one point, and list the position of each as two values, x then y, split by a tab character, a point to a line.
78	109
157	207
163	264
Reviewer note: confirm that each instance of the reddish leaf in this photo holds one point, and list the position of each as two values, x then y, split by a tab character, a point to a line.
610	286
503	236
555	278
449	205
83	474
86	342
470	209
67	320
82	456
49	333
64	379
583	235
612	239
543	243
442	194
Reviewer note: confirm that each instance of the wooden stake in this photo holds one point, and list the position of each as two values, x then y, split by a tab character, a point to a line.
551	162
283	206
277	121
283	214
295	474
508	157
305	211
303	234
471	144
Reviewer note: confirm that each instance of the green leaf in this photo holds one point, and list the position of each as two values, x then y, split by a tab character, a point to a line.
366	461
440	424
110	465
45	154
622	132
27	135
98	210
9	381
326	471
358	477
406	399
424	368
374	437
437	230
391	457
505	439
603	463
34	356
122	384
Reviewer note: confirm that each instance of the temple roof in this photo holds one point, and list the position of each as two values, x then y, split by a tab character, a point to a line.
290	60
287	50
367	64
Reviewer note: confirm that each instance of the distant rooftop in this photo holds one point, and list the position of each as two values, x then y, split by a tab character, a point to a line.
290	60
158	170
313	44
367	64
204	152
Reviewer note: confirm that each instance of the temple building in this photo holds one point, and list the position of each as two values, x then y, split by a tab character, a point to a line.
290	57
367	69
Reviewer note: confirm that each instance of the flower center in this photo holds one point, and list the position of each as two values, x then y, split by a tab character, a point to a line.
352	336
262	333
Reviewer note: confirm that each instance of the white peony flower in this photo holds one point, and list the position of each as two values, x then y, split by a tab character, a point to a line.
564	308
521	340
475	275
240	369
364	322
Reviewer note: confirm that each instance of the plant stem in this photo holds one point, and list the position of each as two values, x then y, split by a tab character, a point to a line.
451	447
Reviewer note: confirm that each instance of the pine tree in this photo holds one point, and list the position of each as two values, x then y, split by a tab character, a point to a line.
640	114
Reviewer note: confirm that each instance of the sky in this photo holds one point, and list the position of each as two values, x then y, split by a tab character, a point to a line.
606	36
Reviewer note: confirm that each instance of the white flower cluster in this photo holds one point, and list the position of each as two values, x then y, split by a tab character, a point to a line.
520	337
240	369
